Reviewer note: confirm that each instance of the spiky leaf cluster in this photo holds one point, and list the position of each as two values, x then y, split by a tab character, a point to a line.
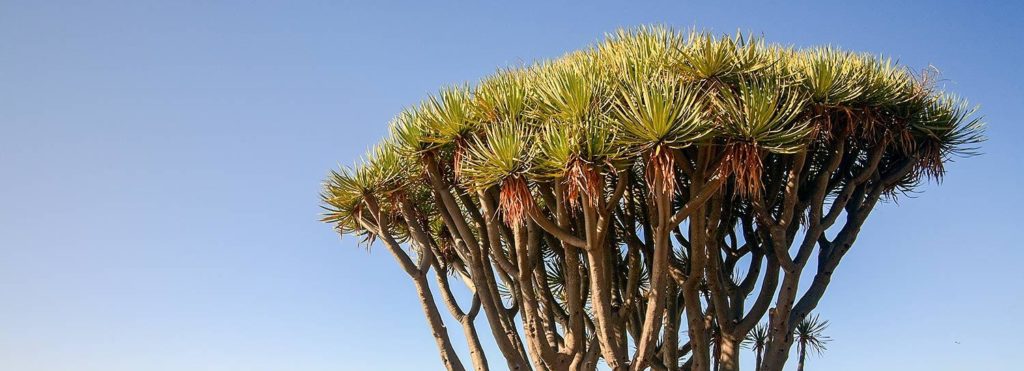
654	86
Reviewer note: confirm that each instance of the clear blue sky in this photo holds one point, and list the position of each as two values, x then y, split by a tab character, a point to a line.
160	163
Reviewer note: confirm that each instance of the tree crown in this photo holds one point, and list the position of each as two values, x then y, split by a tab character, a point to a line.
625	102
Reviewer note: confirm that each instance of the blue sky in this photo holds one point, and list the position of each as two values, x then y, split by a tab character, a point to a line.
160	163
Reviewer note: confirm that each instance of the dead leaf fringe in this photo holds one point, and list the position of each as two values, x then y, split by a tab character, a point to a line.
581	180
515	200
660	172
743	161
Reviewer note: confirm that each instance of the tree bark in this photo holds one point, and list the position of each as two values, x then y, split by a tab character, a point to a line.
466	319
729	353
803	356
448	356
600	290
670	350
506	338
476	350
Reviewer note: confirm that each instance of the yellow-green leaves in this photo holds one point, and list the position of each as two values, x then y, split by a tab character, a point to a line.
341	197
503	98
408	133
945	126
885	83
560	144
574	97
383	173
654	89
645	51
504	150
449	116
764	112
386	169
707	57
660	111
831	77
572	92
753	55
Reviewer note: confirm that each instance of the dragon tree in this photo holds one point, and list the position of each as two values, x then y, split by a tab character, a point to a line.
646	202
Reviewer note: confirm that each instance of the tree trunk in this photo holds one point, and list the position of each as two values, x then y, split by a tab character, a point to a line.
803	355
653	318
419	277
716	354
601	294
575	334
777	354
757	360
700	356
452	217
448	356
670	352
780	326
532	326
729	354
601	297
696	327
476	350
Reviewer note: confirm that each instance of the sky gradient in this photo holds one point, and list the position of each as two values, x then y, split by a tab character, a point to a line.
160	165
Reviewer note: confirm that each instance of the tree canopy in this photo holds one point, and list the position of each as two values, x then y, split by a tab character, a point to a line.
614	198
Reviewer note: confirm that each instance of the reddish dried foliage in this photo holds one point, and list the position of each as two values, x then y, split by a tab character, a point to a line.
581	180
660	171
743	161
515	200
